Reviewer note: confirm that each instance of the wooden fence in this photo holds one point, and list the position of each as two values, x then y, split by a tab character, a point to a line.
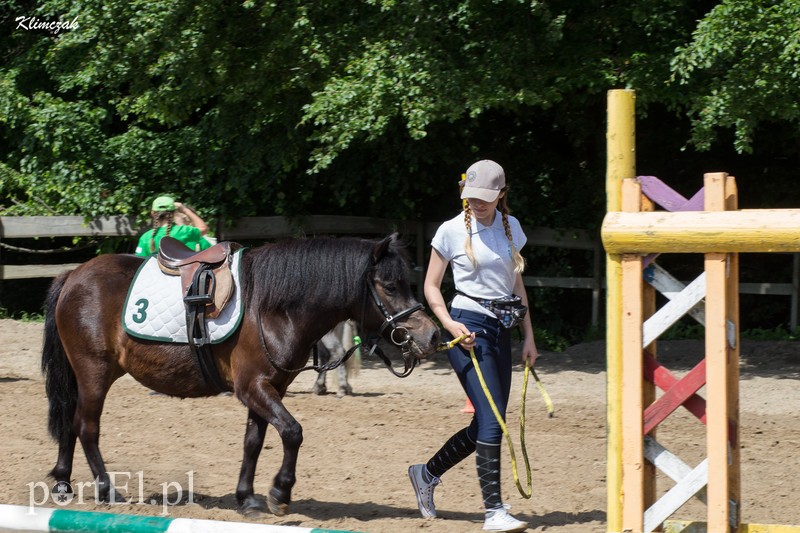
272	228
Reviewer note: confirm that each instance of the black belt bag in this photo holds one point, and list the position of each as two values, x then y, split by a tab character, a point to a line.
508	309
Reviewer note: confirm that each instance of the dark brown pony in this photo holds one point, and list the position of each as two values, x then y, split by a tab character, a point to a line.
293	293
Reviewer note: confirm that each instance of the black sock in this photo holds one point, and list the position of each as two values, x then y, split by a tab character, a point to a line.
456	449
487	459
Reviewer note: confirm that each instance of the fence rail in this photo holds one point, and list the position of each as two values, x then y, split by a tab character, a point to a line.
66	226
269	228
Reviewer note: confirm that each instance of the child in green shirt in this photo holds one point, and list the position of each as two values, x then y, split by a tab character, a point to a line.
163	214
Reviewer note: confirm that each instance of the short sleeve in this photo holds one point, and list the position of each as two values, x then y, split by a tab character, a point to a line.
517	234
144	243
442	242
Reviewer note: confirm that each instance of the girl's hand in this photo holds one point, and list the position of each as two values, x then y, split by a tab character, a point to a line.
529	352
457	329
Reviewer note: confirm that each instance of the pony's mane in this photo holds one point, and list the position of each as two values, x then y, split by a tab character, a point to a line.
322	272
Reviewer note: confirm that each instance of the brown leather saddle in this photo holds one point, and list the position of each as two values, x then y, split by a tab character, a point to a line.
176	259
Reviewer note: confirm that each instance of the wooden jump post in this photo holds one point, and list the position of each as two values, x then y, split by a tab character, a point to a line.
633	234
621	164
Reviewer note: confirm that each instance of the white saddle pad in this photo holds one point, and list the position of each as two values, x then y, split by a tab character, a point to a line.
154	308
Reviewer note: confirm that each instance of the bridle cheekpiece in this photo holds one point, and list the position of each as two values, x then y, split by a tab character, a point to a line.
399	335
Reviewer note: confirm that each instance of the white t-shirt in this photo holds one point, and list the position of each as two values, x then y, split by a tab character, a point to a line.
494	276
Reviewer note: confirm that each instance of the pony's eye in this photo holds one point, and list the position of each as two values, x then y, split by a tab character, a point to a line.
390	288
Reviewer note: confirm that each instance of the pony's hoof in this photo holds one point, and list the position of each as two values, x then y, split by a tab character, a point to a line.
276	507
252	507
344	391
319	390
254	514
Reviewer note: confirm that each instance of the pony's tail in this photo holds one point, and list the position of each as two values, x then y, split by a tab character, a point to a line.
353	365
60	383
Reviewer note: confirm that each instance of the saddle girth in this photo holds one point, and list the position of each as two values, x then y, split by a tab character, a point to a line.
200	294
207	285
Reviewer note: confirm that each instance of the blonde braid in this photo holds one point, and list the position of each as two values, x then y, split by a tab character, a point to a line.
156	225
468	242
519	261
157	220
170	219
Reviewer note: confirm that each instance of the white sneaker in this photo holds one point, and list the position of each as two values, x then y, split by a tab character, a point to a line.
500	520
423	490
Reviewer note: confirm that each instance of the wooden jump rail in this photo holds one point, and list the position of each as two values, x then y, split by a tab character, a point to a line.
755	230
633	234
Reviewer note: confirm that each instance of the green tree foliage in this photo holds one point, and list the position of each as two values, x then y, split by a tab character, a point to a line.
290	107
741	70
367	107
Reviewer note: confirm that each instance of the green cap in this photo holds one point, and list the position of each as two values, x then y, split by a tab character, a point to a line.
164	203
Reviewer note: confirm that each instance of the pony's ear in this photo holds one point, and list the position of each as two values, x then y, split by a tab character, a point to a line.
380	248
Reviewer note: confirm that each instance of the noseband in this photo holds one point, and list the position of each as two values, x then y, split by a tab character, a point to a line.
399	335
391	320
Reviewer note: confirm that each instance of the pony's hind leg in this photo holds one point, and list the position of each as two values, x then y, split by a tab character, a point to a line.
87	428
74	405
75	408
62	472
319	388
345	389
345	337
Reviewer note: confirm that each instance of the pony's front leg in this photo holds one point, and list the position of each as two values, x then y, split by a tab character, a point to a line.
265	403
254	434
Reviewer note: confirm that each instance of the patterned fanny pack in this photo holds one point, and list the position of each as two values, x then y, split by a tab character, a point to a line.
508	309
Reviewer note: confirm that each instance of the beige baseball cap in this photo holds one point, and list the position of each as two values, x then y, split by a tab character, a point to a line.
485	179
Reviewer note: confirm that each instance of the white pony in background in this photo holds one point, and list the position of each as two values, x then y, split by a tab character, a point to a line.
333	346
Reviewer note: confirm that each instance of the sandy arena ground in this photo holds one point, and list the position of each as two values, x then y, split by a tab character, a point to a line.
352	466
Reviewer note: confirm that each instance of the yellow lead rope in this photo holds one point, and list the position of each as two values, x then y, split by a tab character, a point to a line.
526	493
546	397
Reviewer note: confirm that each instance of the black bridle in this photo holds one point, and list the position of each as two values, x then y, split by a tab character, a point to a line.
399	337
391	320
